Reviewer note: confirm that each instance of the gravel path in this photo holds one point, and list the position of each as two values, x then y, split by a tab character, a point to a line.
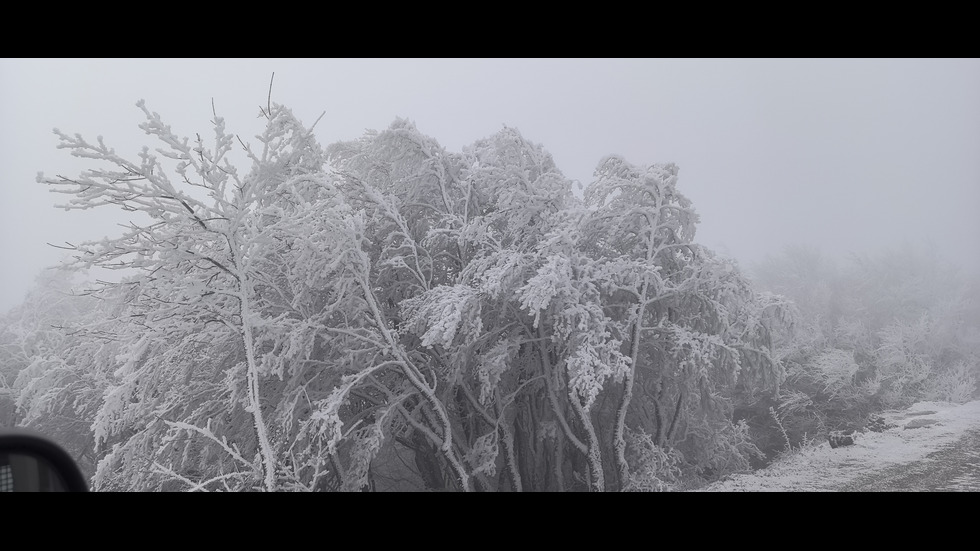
955	468
930	447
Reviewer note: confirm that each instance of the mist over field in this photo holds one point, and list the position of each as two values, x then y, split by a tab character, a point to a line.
480	275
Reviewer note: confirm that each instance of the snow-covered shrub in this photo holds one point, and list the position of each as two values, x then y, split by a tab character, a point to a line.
653	468
835	369
903	360
957	383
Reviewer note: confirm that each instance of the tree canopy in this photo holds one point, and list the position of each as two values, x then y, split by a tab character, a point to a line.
385	314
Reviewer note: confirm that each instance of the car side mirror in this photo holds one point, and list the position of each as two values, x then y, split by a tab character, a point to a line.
30	462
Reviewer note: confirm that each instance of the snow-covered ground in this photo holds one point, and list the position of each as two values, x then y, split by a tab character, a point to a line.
920	430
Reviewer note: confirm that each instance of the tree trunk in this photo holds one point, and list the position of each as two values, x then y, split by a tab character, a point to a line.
252	380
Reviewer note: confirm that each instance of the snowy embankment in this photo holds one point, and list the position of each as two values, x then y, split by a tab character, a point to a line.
916	432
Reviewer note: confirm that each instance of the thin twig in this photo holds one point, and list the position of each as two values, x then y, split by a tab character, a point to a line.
269	100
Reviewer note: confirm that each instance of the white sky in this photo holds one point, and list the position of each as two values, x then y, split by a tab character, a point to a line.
848	155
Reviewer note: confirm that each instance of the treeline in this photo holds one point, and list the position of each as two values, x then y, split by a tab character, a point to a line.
872	332
383	314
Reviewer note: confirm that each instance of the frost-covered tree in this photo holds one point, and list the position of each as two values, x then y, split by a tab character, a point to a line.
385	314
693	325
547	302
193	367
52	349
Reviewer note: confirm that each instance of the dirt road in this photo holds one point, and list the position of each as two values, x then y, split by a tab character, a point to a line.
932	446
955	468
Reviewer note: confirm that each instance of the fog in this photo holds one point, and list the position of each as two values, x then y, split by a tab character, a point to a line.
845	155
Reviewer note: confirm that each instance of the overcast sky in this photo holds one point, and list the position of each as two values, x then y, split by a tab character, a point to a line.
847	155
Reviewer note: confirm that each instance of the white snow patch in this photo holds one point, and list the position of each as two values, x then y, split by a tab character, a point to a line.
821	468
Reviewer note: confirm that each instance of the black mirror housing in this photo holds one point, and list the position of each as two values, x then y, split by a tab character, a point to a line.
30	462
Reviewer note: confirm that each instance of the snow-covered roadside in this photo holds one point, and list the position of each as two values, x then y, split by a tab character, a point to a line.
822	468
